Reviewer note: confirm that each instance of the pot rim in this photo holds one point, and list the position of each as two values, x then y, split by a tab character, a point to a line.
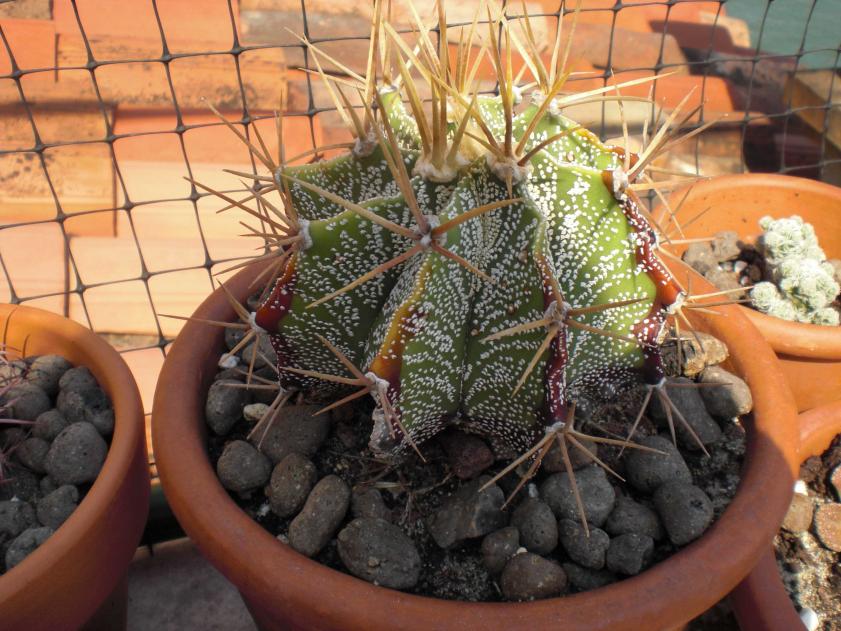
44	333
799	339
276	574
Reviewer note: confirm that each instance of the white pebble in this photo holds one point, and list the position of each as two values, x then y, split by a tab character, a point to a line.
228	361
800	488
253	412
810	619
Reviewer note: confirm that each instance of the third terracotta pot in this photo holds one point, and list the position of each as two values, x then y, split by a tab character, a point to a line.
761	601
810	354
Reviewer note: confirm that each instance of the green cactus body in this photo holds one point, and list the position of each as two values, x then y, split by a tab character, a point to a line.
511	276
512	244
419	347
600	247
418	330
359	178
338	247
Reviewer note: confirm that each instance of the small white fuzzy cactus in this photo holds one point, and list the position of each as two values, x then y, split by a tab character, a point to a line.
804	284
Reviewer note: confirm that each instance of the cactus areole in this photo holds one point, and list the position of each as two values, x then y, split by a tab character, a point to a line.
488	265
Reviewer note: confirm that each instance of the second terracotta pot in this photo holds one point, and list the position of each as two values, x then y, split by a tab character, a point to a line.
810	354
285	590
77	577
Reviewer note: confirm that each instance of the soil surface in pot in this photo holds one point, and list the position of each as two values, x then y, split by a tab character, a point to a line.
440	527
56	424
729	263
808	547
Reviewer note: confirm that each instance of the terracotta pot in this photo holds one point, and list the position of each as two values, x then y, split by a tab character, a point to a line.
77	577
284	590
810	354
761	601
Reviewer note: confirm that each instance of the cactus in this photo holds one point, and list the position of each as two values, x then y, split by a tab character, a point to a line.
803	284
488	265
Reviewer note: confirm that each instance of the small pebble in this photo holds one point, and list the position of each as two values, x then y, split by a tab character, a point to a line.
380	553
646	471
321	516
27	400
369	503
498	547
698	350
700	257
223	406
76	455
344	414
49	425
32	453
77	378
595	490
233	337
685	510
586	550
835	481
630	516
264	395
20	483
25	544
799	516
227	363
294	430
54	509
11	437
553	462
253	412
723	279
690	404
15	517
727	401
537	526
90	405
241	468
511	482
584	579
628	554
467	454
292	480
47	485
46	371
810	619
468	513
11	370
725	246
528	576
265	350
827	525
